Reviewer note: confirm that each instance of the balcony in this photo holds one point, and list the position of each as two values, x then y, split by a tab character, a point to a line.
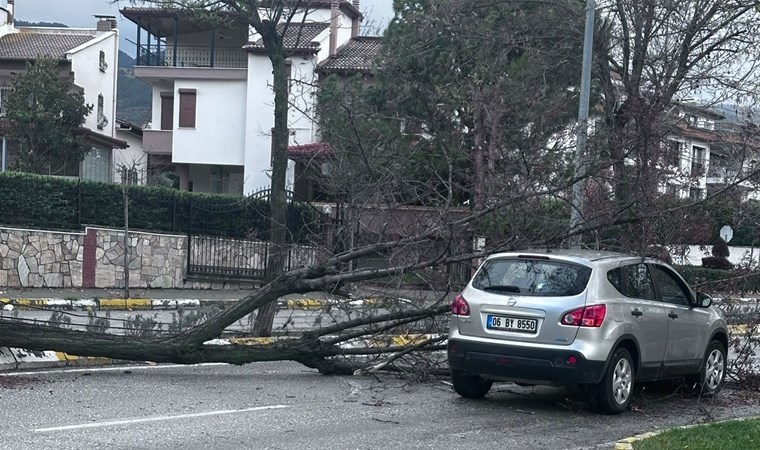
158	142
192	56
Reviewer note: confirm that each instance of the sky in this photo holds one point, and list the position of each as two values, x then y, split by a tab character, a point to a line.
79	14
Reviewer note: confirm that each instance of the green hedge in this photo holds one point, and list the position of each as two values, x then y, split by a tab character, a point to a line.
697	275
743	217
715	280
36	201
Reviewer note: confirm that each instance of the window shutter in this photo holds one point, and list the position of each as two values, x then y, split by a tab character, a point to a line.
167	111
187	99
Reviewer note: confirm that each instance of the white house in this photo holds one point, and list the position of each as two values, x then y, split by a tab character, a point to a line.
131	160
704	153
89	57
213	106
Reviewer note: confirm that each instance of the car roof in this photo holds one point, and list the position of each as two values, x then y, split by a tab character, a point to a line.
577	255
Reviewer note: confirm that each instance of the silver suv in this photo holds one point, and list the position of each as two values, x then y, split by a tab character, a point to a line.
598	319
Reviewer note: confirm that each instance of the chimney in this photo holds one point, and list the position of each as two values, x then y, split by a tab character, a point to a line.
334	11
106	23
355	23
11	13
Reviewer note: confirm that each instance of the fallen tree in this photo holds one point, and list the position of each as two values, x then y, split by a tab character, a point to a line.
523	202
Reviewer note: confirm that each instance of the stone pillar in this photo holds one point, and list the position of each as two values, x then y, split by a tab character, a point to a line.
88	265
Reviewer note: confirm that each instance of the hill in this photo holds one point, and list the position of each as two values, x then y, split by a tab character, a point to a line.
134	95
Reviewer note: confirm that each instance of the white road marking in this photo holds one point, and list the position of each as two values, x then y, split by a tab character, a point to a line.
110	369
158	418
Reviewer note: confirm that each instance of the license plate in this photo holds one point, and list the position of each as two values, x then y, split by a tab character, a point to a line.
512	324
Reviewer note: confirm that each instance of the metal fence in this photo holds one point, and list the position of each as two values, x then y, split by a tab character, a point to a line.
246	255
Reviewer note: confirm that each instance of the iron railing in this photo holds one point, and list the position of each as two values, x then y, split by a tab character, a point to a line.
192	56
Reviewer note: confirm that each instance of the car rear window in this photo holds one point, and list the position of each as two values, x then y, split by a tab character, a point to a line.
532	277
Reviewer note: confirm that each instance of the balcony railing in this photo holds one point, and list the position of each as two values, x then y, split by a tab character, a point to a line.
192	56
158	142
723	170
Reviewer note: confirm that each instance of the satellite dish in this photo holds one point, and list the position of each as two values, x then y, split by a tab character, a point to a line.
726	233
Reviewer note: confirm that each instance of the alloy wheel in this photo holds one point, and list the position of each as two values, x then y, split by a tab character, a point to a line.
621	381
714	368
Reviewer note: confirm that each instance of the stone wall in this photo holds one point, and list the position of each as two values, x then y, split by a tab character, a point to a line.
40	259
95	258
155	260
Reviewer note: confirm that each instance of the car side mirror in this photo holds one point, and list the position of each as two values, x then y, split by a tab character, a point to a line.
703	300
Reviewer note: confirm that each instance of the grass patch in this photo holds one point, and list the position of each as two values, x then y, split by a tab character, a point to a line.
737	435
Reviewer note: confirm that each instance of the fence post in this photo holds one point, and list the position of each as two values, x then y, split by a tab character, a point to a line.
79	203
174	211
189	231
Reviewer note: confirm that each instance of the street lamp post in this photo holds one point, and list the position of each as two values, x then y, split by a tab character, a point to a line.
576	212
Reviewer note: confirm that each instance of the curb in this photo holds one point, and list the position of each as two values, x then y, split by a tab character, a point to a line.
627	443
21	359
132	304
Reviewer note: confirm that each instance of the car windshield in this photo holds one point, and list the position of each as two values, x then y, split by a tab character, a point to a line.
532	277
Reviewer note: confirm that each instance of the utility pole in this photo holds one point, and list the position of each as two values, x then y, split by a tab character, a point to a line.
576	213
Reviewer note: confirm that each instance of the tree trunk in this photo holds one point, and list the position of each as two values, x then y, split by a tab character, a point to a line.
278	206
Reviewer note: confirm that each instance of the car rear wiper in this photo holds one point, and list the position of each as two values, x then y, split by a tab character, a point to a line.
503	288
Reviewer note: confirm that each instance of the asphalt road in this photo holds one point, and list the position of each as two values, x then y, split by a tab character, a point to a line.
285	406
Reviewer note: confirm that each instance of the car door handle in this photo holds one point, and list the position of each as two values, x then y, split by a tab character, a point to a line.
673	315
637	313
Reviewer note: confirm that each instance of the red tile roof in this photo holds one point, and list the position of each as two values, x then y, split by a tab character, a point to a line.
359	55
309	151
298	37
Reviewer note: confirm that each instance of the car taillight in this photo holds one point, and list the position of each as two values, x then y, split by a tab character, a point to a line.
460	307
588	316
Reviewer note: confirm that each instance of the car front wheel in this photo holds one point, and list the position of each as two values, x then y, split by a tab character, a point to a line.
615	393
469	386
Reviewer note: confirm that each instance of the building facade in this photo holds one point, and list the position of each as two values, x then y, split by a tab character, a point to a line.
213	105
89	57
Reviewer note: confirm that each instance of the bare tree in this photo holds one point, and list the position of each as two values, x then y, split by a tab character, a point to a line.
272	20
651	53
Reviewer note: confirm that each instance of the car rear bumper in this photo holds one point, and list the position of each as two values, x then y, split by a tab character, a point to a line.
525	364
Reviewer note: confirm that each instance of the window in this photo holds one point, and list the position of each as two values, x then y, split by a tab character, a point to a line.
187	99
167	110
102	120
696	193
289	75
64	169
103	64
697	160
96	165
129	176
672	155
632	281
672	289
532	277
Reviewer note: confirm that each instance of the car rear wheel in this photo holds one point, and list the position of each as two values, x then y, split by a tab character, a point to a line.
710	379
470	386
615	393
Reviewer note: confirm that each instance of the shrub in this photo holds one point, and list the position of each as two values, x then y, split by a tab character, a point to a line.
716	262
720	249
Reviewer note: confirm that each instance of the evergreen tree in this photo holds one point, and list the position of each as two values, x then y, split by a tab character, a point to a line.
45	112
